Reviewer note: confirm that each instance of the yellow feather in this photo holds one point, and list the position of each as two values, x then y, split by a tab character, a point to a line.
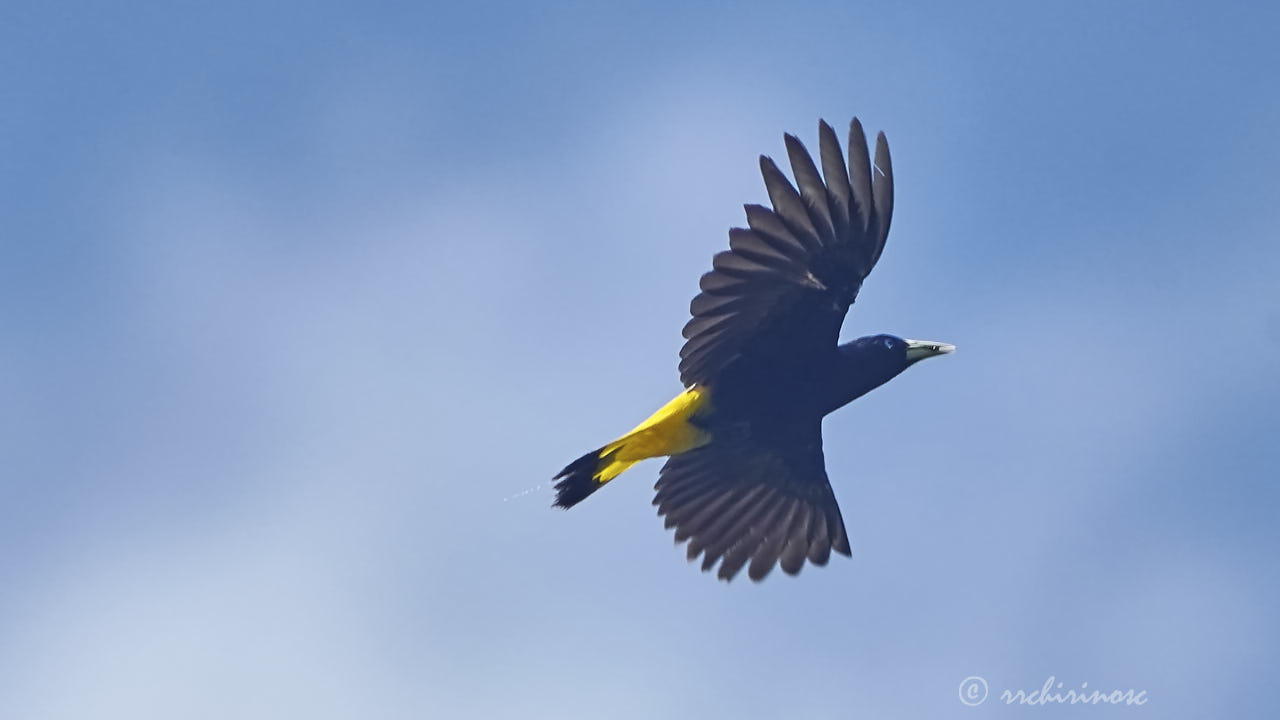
666	432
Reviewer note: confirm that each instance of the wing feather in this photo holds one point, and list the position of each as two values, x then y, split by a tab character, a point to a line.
781	291
793	554
788	205
839	196
860	177
760	249
760	497
813	193
770	548
883	194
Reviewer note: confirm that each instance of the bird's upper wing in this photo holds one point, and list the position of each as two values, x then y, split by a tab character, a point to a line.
786	282
762	500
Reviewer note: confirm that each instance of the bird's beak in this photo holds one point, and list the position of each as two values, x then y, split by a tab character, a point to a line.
921	349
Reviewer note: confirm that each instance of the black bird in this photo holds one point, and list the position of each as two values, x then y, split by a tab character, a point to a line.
746	481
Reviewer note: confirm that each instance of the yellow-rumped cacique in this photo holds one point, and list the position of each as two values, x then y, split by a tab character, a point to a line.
746	482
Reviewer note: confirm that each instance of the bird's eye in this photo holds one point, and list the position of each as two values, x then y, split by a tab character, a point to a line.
888	342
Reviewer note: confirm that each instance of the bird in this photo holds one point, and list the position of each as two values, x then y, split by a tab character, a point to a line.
745	482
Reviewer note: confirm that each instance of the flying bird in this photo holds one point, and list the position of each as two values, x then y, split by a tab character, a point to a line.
746	481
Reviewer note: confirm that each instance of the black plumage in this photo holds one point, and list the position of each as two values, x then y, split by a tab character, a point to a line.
793	274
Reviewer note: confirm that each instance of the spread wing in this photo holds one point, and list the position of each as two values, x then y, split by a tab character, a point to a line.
782	289
757	500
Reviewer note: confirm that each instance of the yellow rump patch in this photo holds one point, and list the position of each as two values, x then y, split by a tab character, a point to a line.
666	432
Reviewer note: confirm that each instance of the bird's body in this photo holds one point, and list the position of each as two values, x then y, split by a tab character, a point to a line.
746	482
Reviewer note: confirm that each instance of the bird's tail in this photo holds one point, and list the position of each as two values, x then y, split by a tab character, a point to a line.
667	432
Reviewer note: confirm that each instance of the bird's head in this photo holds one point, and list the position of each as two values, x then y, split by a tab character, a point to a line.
884	356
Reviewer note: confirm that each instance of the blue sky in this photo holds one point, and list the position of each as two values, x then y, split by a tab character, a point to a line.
299	300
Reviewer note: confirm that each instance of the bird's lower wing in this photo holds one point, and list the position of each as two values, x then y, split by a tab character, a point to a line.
765	501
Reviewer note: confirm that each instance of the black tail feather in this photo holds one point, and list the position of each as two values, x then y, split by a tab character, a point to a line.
577	480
